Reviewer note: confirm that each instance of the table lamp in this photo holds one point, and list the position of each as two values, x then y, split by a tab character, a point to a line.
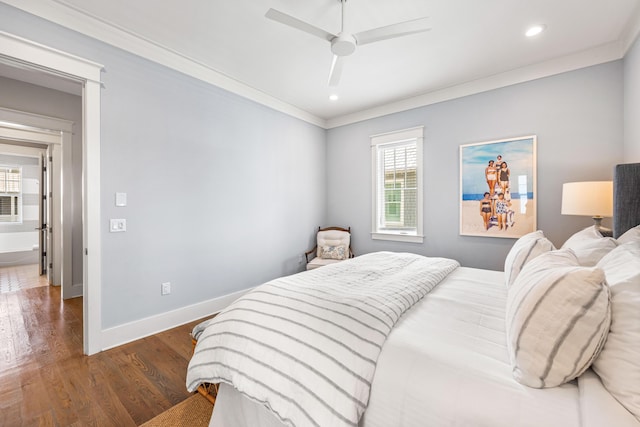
591	198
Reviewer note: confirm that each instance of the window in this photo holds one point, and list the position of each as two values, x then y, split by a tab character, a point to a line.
10	194
397	185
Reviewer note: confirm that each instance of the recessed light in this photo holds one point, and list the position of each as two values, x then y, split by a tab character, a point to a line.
535	30
333	97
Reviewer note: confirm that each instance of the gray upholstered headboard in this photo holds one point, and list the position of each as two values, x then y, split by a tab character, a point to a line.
626	197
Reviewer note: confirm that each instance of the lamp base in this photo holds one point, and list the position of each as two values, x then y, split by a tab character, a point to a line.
606	232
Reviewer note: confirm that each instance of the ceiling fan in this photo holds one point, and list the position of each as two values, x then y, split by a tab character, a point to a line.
344	43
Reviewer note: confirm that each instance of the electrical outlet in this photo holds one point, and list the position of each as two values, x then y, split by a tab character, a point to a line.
117	225
166	288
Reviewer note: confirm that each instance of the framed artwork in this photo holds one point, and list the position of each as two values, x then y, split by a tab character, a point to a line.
498	194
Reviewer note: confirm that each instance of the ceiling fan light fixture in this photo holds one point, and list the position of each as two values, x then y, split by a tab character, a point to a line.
534	30
343	45
333	97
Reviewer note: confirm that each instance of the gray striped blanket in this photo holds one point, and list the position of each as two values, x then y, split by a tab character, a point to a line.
306	345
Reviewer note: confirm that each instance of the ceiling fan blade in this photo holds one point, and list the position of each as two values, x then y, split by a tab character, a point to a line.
336	70
390	31
289	20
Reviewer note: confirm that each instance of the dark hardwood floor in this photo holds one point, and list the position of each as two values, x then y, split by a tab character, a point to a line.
45	380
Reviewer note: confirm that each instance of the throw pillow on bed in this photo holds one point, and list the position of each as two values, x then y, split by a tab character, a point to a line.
589	252
590	246
618	364
585	235
558	316
524	250
631	235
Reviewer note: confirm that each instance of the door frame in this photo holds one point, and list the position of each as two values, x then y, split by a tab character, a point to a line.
56	134
53	61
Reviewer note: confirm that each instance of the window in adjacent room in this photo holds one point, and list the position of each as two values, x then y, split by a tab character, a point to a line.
10	194
397	185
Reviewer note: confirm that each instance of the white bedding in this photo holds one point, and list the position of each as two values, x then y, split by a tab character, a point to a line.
306	345
446	364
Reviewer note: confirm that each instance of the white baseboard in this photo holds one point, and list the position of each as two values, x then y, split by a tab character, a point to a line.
122	334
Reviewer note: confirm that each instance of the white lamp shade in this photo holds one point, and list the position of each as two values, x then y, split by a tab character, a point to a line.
592	198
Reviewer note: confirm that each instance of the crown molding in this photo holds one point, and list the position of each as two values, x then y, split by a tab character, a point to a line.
598	55
63	14
632	31
59	12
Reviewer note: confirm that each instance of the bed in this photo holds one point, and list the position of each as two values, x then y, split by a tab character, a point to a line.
466	351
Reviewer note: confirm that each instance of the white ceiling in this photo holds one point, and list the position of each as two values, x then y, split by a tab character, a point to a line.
473	46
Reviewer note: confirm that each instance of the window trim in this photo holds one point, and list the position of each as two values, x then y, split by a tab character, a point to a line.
406	135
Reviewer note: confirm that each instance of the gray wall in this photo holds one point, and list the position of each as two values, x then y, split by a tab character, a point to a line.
48	102
632	104
223	193
577	117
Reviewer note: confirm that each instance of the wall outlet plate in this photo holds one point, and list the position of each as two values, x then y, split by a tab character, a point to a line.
117	225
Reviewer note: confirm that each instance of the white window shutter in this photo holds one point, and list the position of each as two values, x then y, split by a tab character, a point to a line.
397	185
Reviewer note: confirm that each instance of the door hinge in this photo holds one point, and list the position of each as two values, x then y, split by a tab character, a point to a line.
44	197
50	229
44	253
50	265
51	158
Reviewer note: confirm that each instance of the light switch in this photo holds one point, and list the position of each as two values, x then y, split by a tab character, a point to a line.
117	225
121	199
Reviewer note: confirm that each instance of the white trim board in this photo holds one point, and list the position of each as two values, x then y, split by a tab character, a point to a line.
92	26
587	58
122	334
633	31
73	67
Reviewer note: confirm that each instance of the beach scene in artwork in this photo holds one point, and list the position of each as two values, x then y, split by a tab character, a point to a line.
506	171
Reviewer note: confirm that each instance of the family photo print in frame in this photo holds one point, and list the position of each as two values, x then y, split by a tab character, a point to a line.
498	188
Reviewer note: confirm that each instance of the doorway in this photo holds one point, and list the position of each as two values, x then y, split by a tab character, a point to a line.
44	200
21	205
20	53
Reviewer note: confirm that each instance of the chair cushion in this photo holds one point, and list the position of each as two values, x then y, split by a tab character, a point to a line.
335	238
319	262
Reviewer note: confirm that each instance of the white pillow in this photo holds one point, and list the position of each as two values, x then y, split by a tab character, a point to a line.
631	235
589	252
557	319
585	235
524	250
619	362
